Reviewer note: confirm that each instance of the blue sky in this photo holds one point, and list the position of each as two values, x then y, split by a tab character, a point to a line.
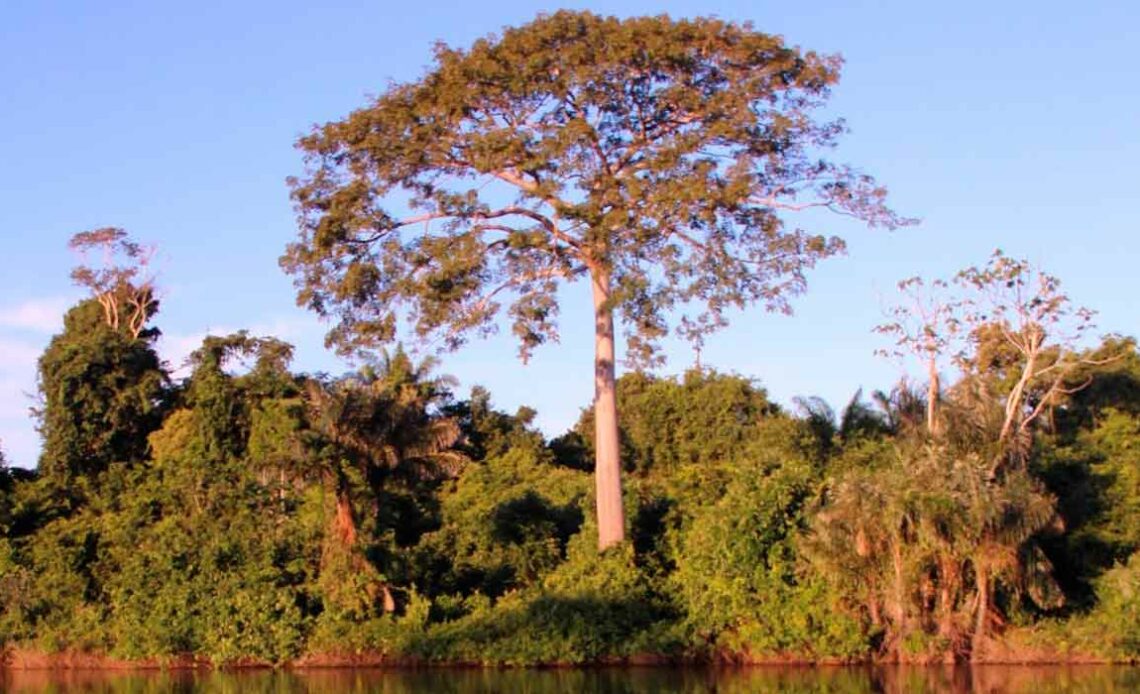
1000	124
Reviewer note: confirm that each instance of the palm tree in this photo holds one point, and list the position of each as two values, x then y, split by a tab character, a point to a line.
924	539
903	408
833	430
379	422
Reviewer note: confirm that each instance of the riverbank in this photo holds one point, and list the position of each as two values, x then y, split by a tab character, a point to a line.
1103	679
1000	652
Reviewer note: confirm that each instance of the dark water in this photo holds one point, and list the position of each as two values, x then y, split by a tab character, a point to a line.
989	679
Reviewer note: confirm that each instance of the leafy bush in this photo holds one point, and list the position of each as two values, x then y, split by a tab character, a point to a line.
738	576
591	608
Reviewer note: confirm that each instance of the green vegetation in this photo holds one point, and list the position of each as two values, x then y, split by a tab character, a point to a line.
249	513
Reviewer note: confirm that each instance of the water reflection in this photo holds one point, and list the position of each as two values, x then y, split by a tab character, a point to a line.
988	680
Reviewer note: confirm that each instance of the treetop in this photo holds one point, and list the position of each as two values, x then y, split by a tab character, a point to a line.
658	156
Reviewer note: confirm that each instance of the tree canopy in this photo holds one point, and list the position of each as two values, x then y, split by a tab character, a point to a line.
658	153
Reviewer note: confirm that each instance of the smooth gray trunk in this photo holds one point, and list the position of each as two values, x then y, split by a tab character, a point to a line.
607	471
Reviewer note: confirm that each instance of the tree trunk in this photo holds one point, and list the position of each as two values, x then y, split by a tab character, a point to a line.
873	606
607	457
899	608
934	388
341	559
945	607
344	523
978	643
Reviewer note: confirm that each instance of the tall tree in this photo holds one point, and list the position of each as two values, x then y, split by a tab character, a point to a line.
650	156
101	380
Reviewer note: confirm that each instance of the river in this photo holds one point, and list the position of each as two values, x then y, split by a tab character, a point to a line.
853	680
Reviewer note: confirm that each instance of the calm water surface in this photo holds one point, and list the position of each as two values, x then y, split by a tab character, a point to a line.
990	680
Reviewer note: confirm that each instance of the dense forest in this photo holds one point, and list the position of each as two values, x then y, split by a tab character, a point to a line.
247	513
250	514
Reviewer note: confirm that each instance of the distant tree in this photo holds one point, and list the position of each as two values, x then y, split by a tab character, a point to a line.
1011	329
925	326
101	380
653	157
122	282
1025	333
